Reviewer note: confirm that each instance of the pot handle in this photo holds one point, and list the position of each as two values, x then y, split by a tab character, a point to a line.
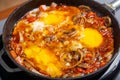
113	6
5	66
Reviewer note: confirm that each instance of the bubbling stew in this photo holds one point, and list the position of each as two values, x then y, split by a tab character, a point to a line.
62	41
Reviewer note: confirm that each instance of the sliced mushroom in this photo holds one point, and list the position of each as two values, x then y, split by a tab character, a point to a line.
49	38
78	19
108	55
84	65
71	59
72	32
102	28
85	8
107	22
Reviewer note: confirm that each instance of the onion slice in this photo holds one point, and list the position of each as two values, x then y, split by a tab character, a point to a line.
71	59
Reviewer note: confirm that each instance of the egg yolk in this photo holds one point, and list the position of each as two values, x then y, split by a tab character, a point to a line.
45	60
54	17
91	38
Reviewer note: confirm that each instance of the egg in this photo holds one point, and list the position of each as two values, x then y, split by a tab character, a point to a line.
53	17
44	59
91	38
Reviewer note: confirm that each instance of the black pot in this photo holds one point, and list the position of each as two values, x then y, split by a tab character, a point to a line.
100	9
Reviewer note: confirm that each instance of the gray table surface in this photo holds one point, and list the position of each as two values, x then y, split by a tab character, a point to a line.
117	15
